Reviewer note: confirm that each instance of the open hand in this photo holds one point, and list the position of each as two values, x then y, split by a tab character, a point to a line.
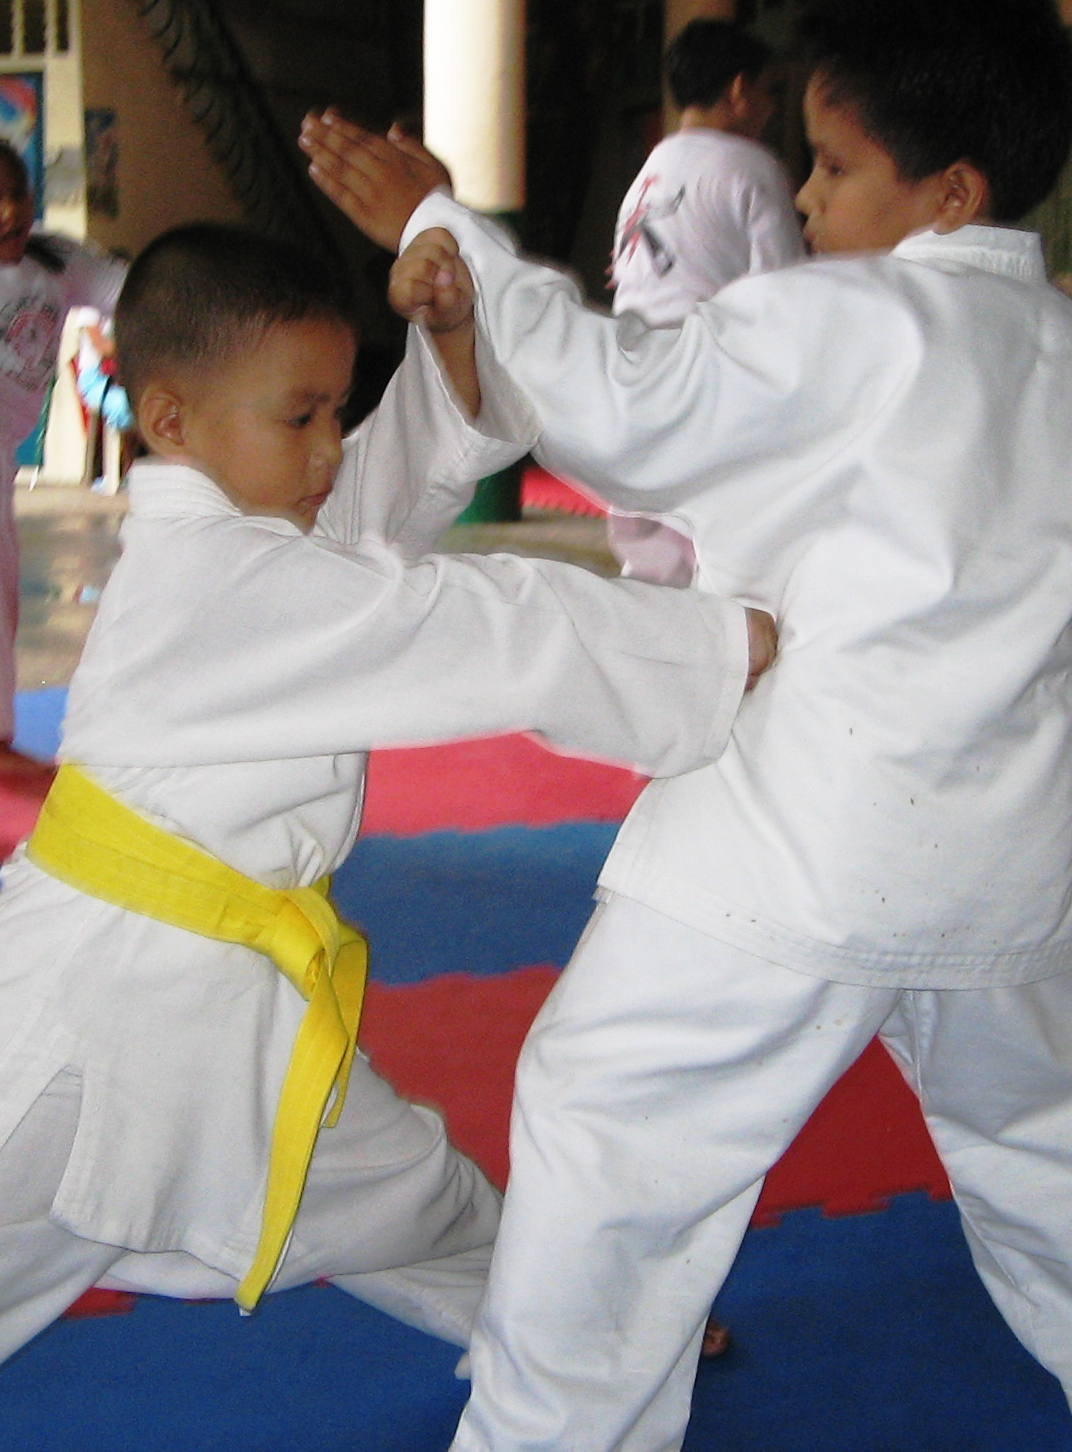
377	181
430	283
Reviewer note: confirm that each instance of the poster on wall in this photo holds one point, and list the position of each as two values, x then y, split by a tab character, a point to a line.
22	123
102	162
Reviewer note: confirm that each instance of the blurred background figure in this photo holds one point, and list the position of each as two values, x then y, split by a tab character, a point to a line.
109	420
710	204
41	278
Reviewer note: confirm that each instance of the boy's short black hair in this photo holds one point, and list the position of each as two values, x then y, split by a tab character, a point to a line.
709	55
200	293
939	81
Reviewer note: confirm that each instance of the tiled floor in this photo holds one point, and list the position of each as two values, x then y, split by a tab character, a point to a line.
69	540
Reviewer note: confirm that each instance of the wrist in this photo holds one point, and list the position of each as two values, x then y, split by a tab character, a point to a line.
463	329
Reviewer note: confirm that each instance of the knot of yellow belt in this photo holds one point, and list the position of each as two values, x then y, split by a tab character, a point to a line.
88	839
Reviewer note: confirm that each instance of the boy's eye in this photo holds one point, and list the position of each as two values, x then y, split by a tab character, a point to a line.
300	421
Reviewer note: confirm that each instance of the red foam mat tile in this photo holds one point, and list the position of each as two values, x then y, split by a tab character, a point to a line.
101	1303
453	1042
865	1143
17	817
495	782
541	490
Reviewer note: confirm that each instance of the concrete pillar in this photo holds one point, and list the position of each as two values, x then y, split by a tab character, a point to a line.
474	98
474	119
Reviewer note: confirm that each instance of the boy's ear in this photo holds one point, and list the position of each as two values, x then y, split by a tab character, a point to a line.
161	420
965	197
736	93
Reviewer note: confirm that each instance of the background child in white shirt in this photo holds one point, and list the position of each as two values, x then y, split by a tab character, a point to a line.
709	205
41	278
876	446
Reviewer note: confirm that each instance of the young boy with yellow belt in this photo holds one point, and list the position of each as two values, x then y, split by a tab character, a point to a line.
162	1077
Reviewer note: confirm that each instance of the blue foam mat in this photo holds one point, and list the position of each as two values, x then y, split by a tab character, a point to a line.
865	1334
38	715
472	902
312	1370
870	1333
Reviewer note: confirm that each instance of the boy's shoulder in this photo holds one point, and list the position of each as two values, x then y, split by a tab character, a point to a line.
163	490
1000	251
697	142
925	261
882	314
712	163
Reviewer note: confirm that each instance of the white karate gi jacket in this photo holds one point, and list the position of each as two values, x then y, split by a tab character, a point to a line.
235	675
879	451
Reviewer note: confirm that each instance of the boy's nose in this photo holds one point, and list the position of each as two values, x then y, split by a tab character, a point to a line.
329	450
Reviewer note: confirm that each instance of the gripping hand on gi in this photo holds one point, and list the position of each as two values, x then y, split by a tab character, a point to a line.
762	644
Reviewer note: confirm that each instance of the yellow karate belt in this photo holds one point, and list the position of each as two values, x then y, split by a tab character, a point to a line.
91	841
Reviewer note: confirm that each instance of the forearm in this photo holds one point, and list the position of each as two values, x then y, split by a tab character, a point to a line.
605	391
412	466
395	654
457	352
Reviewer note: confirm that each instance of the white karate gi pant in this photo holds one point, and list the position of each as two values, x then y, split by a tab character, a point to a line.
665	1075
391	1213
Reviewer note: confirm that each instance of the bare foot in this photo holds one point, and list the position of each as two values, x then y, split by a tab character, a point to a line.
717	1339
24	775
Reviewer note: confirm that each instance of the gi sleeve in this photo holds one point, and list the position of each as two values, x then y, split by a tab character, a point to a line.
775	369
269	646
411	468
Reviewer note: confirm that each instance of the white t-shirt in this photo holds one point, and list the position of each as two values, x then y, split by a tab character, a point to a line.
706	208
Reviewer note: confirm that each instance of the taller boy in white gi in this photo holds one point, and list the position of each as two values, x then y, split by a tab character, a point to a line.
876	448
262	629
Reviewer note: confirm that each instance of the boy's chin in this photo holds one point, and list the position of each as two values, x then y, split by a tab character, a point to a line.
305	512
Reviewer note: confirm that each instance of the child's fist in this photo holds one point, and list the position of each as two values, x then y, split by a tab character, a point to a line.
430	283
762	644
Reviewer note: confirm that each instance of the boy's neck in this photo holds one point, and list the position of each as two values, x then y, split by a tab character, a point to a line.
719	117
